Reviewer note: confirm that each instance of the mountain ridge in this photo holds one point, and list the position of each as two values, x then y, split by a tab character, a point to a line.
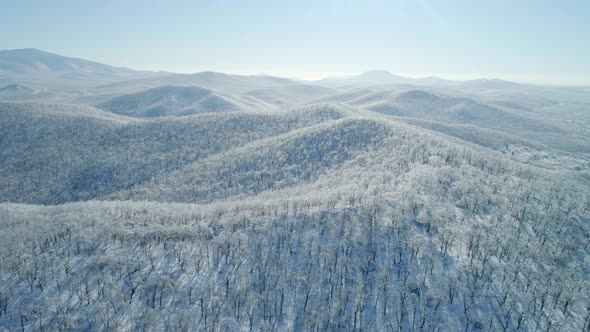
220	202
40	67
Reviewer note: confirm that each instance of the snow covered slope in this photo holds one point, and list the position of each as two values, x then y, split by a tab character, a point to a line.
59	153
40	67
209	80
290	95
374	223
174	101
376	202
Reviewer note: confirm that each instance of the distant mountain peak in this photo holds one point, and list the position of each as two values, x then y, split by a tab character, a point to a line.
378	75
29	55
377	72
34	65
491	83
15	87
25	50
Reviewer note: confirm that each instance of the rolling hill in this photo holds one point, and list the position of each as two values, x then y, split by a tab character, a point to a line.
437	105
264	220
233	84
173	101
13	92
283	96
59	153
217	202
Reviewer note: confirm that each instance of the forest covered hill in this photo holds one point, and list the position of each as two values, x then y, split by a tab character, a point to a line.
391	205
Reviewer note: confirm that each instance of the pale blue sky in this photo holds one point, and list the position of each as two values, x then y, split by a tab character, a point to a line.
534	41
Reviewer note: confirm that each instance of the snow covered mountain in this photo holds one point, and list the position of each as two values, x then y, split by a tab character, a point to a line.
176	101
40	67
538	122
380	78
227	202
209	80
290	95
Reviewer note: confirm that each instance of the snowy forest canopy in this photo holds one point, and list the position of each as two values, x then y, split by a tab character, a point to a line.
225	203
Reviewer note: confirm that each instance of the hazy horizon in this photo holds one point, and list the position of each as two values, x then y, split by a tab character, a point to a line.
528	42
